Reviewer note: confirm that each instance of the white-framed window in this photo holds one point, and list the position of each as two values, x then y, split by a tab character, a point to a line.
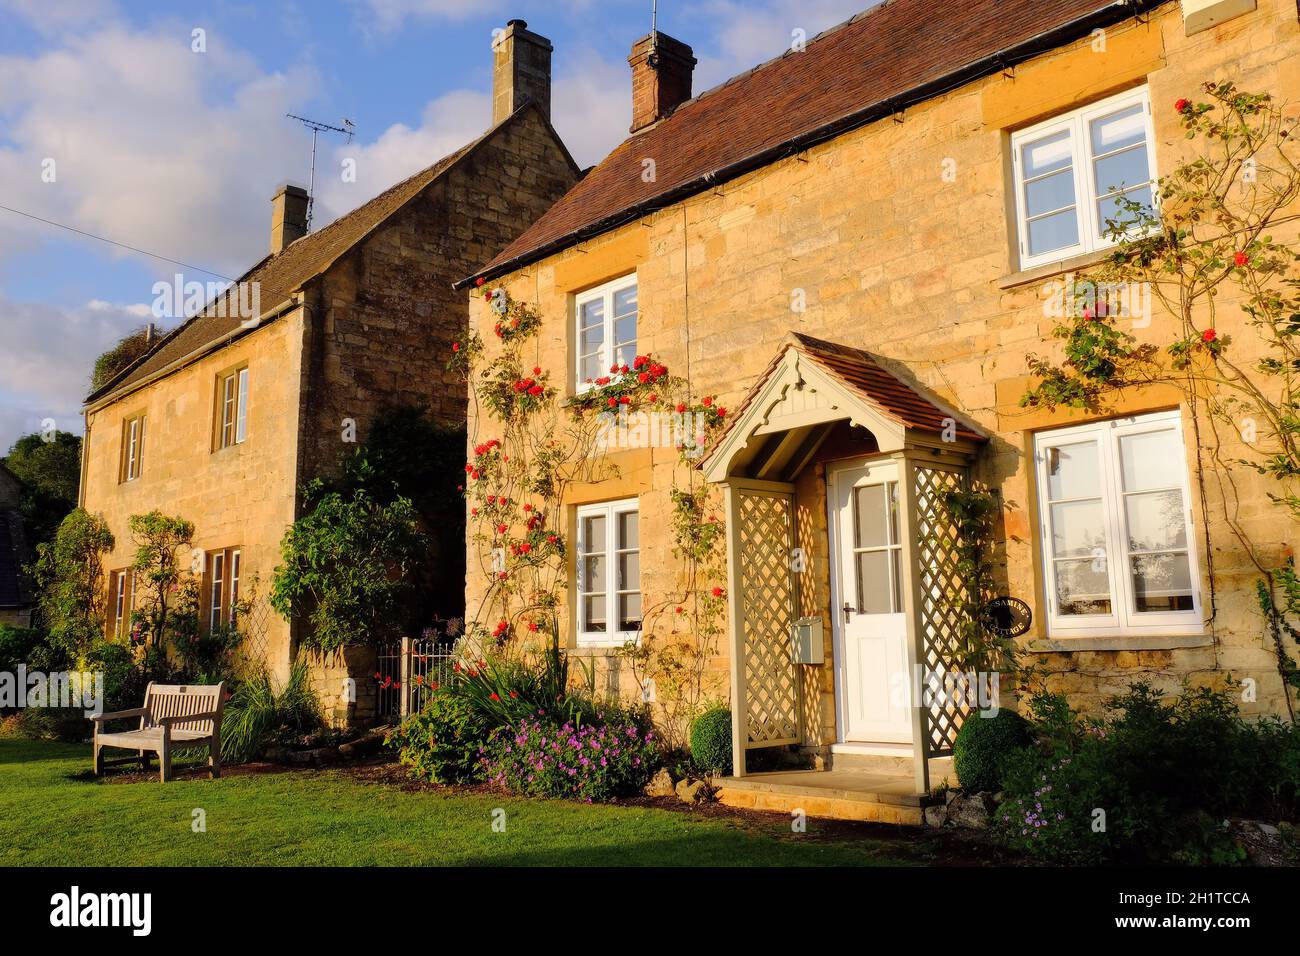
1118	545
132	447
217	579
119	605
605	335
232	398
609	573
1071	171
236	559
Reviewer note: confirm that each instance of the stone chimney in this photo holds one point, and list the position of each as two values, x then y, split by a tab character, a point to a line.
521	70
288	217
661	77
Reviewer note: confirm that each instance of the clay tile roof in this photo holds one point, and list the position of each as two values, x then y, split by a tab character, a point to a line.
894	54
282	275
882	388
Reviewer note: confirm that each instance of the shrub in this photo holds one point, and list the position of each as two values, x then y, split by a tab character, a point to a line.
23	645
983	745
69	576
711	740
1150	782
256	714
443	741
611	757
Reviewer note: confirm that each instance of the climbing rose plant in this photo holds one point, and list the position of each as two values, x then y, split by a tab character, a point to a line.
1206	253
528	448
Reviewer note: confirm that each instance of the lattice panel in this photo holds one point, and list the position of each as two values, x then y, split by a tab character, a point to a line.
767	598
255	625
942	604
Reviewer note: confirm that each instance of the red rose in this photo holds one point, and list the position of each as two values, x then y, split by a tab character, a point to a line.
455	346
680	408
653	397
537	370
1209	335
494	696
707	401
623	400
722	413
612	402
717	591
479	281
1240	259
1182	105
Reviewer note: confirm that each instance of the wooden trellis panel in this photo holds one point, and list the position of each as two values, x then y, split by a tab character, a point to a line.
943	597
768	609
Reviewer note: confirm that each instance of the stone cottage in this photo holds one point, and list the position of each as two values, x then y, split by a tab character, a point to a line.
226	417
849	245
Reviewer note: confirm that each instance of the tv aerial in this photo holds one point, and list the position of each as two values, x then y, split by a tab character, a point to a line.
348	129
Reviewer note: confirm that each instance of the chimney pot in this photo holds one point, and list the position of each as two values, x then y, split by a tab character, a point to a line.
521	70
662	68
288	217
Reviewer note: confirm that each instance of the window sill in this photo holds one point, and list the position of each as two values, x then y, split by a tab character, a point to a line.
1050	269
1119	642
599	649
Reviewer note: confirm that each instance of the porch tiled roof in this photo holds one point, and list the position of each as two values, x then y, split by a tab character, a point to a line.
893	55
884	390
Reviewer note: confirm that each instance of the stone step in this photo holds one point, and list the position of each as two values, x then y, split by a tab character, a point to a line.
891	766
835	795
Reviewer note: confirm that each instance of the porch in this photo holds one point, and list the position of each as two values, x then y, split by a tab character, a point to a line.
845	598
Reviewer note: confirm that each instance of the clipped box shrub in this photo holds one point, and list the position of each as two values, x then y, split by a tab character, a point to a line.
983	746
711	740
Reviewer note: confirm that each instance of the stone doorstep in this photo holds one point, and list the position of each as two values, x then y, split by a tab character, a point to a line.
817	802
845	785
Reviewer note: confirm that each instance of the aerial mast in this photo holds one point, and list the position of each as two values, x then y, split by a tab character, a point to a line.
347	129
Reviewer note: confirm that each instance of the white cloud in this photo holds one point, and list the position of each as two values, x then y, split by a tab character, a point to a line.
387	16
46	354
57	16
153	145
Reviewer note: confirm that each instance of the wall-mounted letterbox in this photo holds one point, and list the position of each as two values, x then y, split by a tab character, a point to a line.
807	641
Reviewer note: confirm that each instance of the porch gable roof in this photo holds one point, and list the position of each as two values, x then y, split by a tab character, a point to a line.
811	382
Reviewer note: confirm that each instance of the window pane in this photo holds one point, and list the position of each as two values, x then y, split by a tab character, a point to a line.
1120	129
1073	471
1059	231
627	530
591	339
1156	521
593	612
625	301
875	584
593	534
593	574
1150	460
592	314
625	330
871	530
241	425
591	368
1162	582
1047	154
629	571
1049	193
1082	587
1121	171
1078	529
1108	210
629	612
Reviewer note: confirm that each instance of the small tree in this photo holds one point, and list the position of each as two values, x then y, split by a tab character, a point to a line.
128	349
345	567
49	469
69	576
159	568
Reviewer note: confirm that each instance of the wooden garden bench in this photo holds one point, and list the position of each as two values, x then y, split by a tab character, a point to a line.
173	715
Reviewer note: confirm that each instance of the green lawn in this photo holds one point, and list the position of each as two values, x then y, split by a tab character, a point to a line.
52	813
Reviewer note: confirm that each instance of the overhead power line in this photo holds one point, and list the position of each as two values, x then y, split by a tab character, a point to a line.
114	242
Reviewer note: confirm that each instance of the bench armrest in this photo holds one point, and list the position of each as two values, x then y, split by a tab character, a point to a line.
168	721
120	714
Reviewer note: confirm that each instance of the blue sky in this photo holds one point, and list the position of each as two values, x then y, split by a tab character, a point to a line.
178	152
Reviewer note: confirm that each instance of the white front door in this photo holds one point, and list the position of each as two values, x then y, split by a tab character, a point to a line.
873	630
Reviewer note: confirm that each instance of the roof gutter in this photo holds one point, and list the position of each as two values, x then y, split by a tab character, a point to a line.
1067	32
